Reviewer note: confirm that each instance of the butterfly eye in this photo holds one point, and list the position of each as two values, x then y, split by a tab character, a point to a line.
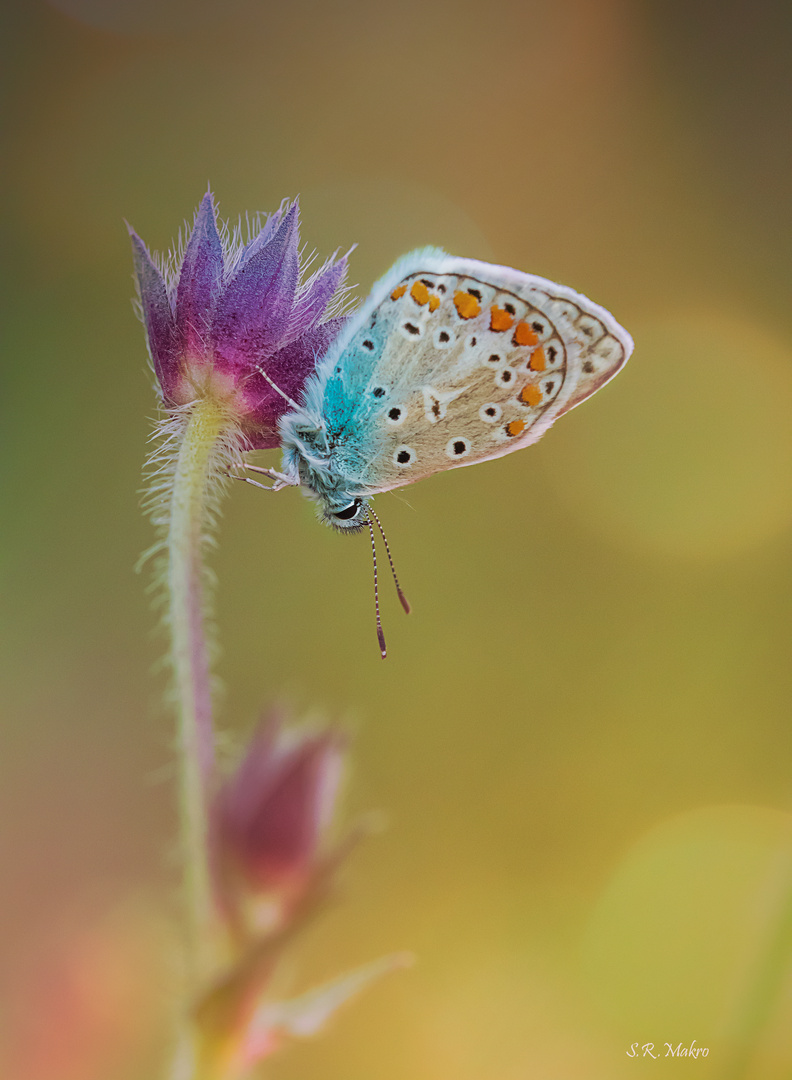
348	511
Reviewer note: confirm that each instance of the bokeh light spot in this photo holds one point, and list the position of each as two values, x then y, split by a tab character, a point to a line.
689	452
676	940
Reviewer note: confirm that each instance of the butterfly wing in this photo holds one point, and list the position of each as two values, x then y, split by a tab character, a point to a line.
452	361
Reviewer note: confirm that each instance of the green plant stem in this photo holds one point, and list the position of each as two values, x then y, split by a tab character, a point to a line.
194	483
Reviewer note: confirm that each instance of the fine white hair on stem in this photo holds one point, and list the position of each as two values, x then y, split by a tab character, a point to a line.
158	475
195	447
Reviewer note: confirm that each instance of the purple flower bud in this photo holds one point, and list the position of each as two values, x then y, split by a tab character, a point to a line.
271	817
233	312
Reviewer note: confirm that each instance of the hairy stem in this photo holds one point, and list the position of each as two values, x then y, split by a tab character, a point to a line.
197	465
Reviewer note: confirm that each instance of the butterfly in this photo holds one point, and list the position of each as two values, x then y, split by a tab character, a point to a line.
449	362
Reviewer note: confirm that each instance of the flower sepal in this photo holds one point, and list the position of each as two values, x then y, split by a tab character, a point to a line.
238	322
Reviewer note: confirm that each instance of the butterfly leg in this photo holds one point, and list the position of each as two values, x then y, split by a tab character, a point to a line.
280	479
273	474
277	486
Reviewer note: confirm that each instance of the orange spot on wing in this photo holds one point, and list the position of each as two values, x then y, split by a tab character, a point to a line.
466	305
434	303
530	394
400	291
419	292
524	335
538	361
515	427
500	319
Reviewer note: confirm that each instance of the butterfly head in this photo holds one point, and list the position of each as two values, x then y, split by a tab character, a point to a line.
345	514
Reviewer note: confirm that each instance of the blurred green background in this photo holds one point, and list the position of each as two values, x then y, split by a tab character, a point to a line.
580	739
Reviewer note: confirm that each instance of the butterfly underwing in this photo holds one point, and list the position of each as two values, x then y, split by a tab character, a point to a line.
449	362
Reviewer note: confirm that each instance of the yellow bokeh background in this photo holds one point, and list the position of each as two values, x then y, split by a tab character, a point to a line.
580	741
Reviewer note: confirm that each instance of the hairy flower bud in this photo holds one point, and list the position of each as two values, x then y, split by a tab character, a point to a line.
234	321
270	819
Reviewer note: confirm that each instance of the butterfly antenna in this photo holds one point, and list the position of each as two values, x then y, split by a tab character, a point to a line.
405	603
380	634
321	424
275	387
